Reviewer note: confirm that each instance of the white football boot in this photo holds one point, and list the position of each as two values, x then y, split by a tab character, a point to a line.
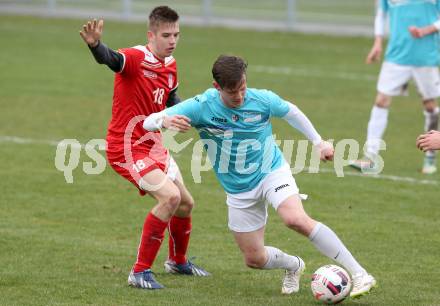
292	277
362	284
429	165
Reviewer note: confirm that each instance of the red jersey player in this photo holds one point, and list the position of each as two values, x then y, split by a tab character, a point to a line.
146	82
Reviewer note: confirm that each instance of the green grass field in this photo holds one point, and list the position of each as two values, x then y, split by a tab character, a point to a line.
74	244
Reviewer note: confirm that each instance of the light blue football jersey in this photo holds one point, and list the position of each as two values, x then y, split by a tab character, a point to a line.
402	48
238	141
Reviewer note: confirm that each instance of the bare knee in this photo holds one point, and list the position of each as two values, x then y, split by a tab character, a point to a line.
185	207
383	101
170	202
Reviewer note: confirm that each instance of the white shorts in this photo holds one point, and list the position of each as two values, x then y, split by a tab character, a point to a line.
173	169
247	211
393	79
172	172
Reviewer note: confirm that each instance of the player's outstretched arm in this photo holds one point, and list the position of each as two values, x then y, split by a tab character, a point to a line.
160	120
92	32
429	141
177	123
297	119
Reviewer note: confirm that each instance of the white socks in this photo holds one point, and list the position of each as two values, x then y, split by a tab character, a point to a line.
277	259
326	241
376	128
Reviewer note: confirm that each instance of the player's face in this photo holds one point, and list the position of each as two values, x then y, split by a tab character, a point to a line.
163	40
233	97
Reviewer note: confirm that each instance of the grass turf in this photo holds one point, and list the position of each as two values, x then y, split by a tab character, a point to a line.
74	244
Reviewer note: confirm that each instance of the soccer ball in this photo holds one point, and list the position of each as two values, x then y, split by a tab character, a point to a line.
331	284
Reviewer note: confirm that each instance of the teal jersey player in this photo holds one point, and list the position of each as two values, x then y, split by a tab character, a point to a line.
236	121
402	48
412	54
237	136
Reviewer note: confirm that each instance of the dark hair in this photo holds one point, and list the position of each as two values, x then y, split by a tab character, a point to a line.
228	71
161	14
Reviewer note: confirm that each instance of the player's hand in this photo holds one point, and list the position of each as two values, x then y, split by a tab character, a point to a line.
374	54
416	32
429	141
422	32
92	32
177	123
326	151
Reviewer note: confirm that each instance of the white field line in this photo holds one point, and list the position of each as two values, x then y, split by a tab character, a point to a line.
388	177
395	178
315	73
20	140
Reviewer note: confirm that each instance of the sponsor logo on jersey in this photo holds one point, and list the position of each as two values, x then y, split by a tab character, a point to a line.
235	118
281	187
251	117
170	80
223	120
150	74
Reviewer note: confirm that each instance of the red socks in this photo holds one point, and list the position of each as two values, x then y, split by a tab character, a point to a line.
179	230
151	240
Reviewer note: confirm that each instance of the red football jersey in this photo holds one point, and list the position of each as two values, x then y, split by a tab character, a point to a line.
140	89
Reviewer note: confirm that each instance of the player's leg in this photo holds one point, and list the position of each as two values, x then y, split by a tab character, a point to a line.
247	226
282	193
179	230
146	175
427	80
180	224
168	199
326	241
258	256
377	124
393	80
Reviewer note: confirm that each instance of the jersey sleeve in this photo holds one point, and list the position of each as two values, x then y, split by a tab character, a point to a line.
132	61
278	107
190	108
382	5
379	21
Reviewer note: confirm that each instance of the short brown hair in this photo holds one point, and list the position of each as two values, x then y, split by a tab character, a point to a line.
228	71
161	14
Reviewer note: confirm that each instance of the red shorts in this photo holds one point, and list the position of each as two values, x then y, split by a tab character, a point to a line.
134	166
